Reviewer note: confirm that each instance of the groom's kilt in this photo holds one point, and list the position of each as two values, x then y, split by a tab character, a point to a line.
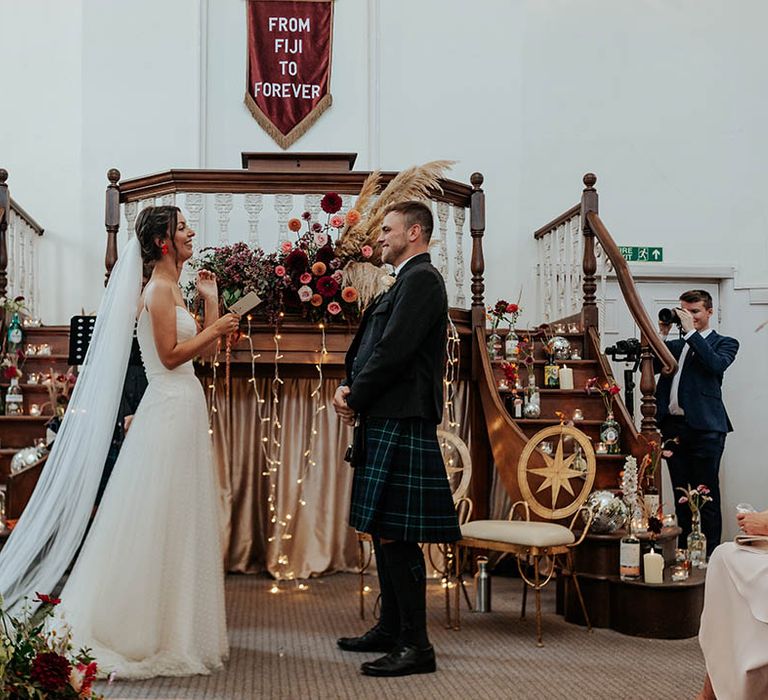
402	492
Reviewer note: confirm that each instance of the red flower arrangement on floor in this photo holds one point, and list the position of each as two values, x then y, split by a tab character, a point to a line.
37	663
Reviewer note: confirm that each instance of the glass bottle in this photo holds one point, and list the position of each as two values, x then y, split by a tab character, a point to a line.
551	374
15	334
532	407
610	431
495	346
629	555
511	349
697	542
651	497
14	399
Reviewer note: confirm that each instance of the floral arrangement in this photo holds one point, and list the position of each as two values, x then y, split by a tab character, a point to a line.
9	366
509	370
12	306
37	663
630	488
503	312
651	461
305	275
607	391
695	498
59	388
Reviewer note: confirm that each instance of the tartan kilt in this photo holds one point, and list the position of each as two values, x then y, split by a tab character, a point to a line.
402	492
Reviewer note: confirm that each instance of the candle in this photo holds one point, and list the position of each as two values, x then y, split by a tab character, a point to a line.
573	328
653	567
34	410
566	377
601	448
577	415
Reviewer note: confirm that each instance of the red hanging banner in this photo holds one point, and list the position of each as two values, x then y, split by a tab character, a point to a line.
289	65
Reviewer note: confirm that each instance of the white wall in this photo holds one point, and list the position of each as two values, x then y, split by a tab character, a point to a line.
663	99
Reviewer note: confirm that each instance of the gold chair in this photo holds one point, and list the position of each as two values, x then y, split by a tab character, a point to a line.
458	469
531	541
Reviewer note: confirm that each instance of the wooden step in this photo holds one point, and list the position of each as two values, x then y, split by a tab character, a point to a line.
21	431
55	336
670	610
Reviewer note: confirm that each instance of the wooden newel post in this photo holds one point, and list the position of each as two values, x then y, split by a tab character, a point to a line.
477	265
5	208
647	390
112	220
589	315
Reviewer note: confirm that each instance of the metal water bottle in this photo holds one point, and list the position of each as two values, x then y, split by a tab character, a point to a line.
482	586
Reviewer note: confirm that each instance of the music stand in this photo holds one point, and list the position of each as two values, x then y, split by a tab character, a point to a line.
80	332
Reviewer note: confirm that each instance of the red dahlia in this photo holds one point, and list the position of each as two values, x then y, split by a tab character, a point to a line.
331	203
327	286
325	254
50	670
297	261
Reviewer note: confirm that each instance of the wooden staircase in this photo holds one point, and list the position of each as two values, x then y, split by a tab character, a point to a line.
669	610
22	431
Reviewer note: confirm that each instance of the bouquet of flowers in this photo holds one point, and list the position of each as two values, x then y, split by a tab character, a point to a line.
607	392
59	388
12	306
503	312
651	461
9	366
695	498
39	663
236	267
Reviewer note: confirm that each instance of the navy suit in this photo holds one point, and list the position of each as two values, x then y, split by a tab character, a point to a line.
701	431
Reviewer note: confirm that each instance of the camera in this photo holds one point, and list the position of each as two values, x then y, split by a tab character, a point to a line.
625	350
669	316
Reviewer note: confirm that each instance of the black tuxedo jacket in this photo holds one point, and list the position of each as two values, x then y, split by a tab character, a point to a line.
699	392
395	364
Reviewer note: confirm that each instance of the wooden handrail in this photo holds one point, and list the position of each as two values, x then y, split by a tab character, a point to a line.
16	207
247	181
557	221
631	296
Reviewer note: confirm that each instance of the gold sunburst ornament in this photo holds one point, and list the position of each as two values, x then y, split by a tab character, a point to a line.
558	472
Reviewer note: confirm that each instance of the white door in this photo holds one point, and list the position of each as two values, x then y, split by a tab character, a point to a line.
618	324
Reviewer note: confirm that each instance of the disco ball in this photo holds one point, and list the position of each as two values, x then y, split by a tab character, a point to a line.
559	348
609	512
24	458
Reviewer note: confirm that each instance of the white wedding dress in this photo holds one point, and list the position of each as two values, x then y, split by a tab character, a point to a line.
147	591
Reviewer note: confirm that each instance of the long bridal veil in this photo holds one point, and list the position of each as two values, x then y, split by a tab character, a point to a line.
52	526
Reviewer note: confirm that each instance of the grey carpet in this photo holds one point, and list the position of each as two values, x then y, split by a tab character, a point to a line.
283	646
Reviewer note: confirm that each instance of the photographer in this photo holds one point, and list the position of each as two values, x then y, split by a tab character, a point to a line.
690	406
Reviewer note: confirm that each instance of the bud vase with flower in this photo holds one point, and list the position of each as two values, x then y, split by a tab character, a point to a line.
506	312
697	541
610	430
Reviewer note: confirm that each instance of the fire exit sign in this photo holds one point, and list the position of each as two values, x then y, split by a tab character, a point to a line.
642	253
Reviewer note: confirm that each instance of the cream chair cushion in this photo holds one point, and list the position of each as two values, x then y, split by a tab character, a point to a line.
532	534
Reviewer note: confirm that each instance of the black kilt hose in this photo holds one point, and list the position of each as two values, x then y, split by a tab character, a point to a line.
402	490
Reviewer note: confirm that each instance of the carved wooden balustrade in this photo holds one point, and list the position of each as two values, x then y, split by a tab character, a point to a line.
19	254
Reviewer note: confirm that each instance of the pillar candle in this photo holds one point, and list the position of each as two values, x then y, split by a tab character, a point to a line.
653	567
566	377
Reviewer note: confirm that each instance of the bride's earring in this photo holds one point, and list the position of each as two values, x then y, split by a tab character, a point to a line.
164	249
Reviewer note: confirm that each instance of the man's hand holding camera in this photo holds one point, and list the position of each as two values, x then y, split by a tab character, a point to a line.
681	317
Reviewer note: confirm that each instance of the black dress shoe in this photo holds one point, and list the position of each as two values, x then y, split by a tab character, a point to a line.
375	639
402	661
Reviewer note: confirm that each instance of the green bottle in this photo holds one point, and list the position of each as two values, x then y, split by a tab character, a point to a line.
15	334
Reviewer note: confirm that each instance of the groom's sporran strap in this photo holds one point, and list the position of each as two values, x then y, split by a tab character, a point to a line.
51	528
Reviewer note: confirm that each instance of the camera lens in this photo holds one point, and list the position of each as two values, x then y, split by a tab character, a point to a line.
668	316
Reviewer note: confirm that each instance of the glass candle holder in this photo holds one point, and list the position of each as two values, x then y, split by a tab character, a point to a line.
559	328
575	354
30	349
577	414
601	448
679	572
35	410
44	349
33	378
574	328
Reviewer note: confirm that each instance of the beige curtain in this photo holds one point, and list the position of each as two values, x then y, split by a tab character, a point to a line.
320	541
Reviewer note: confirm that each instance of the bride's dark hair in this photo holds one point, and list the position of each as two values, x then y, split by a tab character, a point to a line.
153	224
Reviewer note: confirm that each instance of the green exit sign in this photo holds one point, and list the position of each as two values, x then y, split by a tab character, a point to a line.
642	253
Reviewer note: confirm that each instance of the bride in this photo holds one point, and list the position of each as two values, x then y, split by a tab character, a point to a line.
146	593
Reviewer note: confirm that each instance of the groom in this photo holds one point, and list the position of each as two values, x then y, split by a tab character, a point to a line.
394	391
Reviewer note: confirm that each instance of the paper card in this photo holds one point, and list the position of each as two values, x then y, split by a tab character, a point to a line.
245	304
